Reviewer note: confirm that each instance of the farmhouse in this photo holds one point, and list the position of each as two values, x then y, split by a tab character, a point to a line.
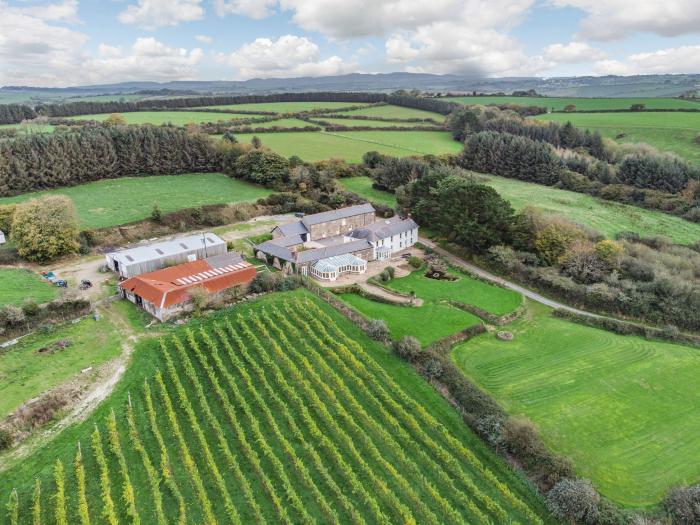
141	259
167	292
329	244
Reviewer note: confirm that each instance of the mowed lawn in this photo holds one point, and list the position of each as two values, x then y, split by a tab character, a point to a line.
674	132
623	408
607	217
427	323
18	285
352	145
465	289
559	103
288	107
119	201
177	118
388	111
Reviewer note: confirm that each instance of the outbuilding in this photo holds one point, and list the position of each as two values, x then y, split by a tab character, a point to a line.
2	237
167	292
148	258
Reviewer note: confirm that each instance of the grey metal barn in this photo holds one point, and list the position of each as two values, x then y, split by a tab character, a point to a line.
148	258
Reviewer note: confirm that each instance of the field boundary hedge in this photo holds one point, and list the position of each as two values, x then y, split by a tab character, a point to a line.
498	320
621	327
475	405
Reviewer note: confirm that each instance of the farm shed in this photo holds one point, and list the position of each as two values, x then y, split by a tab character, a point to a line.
167	292
148	258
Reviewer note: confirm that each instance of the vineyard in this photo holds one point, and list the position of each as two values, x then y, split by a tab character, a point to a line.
273	413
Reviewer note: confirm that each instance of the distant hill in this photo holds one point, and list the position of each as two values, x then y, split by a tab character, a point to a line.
607	86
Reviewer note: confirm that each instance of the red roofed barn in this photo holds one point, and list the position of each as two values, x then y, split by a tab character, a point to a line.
164	293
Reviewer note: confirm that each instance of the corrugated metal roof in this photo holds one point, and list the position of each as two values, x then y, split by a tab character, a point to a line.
165	249
171	286
334	215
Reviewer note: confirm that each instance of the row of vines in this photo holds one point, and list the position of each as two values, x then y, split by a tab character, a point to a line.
270	415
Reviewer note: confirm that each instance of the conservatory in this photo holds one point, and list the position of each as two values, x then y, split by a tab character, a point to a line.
331	268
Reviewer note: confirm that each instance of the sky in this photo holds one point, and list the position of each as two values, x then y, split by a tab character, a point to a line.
58	43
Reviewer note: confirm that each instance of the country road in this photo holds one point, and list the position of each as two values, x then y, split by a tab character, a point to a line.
475	270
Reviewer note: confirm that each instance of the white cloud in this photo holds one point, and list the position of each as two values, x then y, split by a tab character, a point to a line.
256	9
399	50
684	59
152	14
288	56
573	53
32	50
440	36
67	11
204	39
615	19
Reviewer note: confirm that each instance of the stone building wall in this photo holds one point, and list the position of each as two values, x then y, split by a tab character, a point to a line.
340	226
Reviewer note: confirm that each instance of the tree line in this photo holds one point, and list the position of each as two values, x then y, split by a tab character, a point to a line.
42	161
15	113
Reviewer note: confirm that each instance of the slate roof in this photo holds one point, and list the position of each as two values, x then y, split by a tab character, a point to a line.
291	240
294	228
315	254
331	251
383	229
274	249
333	215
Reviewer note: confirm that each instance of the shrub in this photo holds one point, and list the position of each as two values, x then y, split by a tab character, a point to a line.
391	271
378	330
683	504
408	347
574	500
416	262
273	282
5	439
45	228
11	315
262	167
156	214
433	368
7	211
489	427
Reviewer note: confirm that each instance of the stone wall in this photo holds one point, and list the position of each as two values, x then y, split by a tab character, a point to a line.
340	226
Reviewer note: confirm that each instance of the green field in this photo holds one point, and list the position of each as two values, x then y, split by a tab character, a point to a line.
395	112
277	411
465	289
119	201
427	323
559	103
25	372
674	132
281	123
352	145
18	285
607	217
363	187
287	107
622	408
177	118
29	128
370	123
